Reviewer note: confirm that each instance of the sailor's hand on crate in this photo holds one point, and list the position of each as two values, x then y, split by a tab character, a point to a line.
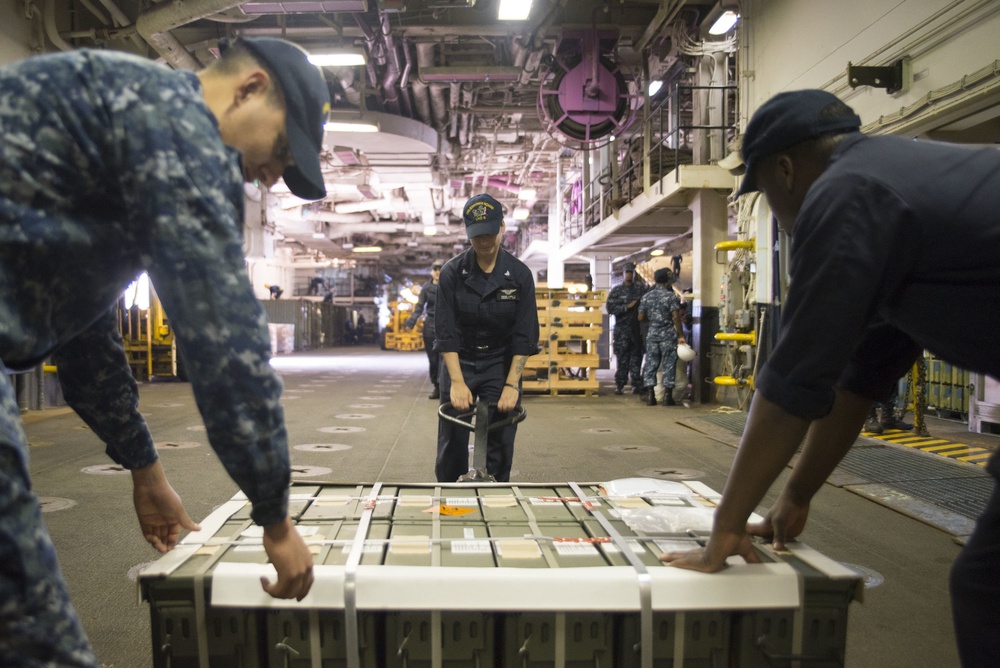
461	396
712	558
159	509
783	522
291	559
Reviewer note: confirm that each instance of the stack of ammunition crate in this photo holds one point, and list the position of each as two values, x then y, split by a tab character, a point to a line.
554	575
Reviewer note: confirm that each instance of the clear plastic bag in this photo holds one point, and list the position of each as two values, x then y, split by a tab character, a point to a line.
669	519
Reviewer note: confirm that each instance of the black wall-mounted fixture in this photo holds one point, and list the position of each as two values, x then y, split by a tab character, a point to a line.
892	77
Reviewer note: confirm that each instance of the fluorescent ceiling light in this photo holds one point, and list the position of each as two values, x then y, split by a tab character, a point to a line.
522	213
333	126
527	194
430	230
366	249
319	235
657	252
345	58
724	23
654	87
514	10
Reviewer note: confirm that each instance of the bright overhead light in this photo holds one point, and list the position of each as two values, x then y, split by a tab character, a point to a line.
514	10
337	59
654	87
334	126
522	213
319	235
527	194
430	230
724	23
656	252
366	249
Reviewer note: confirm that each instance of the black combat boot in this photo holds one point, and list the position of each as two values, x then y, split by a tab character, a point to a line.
637	389
651	399
436	394
668	397
620	389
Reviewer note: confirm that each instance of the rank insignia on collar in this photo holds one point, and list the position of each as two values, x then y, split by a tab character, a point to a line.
507	295
507	273
465	272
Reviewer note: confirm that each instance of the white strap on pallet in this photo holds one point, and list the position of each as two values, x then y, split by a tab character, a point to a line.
351	629
642	578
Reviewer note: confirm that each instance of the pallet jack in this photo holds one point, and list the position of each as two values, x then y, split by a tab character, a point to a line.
481	425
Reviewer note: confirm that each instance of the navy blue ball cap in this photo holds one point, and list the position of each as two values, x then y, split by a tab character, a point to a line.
788	119
307	103
482	215
629	266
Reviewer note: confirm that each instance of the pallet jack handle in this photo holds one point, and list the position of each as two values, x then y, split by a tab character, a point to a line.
482	427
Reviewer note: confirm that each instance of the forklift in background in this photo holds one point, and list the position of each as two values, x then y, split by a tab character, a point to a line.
146	333
396	336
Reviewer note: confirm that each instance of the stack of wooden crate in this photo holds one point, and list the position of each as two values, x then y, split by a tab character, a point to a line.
570	325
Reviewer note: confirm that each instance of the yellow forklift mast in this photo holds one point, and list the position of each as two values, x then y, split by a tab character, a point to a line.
149	339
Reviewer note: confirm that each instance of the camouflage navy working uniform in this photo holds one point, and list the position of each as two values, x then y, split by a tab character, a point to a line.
111	166
627	343
658	305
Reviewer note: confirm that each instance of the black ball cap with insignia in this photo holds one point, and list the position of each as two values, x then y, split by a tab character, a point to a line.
482	215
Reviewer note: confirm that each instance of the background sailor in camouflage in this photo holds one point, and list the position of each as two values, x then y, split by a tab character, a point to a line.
111	166
623	303
661	306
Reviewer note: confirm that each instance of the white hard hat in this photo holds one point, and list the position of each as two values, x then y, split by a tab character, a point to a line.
685	352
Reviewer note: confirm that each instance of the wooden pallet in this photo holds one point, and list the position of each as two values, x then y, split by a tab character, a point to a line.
570	326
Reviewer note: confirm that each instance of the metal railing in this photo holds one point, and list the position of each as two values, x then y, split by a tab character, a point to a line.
672	134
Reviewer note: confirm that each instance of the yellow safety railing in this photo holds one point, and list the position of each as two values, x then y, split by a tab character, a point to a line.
749	244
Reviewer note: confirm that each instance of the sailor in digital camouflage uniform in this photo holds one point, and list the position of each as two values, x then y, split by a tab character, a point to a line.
623	303
486	328
111	166
662	307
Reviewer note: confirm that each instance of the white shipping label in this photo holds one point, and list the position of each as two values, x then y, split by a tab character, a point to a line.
464	501
575	549
370	547
471	547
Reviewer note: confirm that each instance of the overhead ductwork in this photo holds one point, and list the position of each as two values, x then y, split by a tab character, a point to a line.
154	26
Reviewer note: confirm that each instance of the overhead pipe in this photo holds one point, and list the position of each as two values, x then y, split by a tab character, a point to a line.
465	123
51	31
390	79
155	23
454	94
119	18
439	109
421	98
404	79
375	54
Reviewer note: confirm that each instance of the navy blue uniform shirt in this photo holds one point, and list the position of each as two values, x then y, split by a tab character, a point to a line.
480	315
895	250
